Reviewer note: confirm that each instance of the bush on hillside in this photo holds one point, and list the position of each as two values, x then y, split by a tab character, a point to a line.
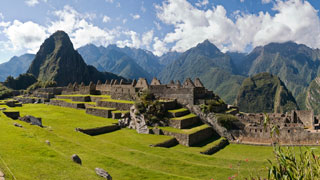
152	109
23	81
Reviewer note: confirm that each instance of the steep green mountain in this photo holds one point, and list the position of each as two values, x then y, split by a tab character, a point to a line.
169	57
214	68
312	98
296	64
265	93
15	66
112	59
58	61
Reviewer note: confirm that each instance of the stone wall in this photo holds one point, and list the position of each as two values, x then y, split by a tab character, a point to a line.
191	139
106	113
222	144
185	123
167	144
117	105
307	117
57	102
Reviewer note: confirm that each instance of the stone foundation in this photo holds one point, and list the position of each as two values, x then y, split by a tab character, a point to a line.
119	106
106	113
185	123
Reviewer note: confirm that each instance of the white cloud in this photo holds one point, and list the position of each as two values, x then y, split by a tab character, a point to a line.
136	40
159	47
124	21
242	1
266	1
106	19
157	24
118	5
1	16
109	1
28	35
294	20
202	3
32	2
135	16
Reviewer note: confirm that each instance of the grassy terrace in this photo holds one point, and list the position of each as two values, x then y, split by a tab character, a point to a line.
184	117
118	101
185	131
178	110
123	112
104	108
124	153
84	95
74	102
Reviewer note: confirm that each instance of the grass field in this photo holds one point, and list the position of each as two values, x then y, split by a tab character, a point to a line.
124	154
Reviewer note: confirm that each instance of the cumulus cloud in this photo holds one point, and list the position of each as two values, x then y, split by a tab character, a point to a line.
136	40
135	16
159	47
202	3
294	20
28	35
32	2
106	19
109	1
266	1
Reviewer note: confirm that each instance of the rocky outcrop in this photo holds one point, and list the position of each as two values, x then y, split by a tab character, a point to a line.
212	120
31	120
12	114
75	158
138	121
103	173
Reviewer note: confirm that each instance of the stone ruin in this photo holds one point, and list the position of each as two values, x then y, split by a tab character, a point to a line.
296	127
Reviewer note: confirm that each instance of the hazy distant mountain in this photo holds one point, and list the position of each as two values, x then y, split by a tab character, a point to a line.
312	97
113	59
144	58
214	68
58	61
265	93
15	66
169	57
296	64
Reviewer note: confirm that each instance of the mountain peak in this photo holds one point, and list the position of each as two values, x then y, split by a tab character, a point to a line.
208	48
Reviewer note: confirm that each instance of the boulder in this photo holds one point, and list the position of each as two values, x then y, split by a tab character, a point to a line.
75	158
124	122
17	125
103	173
48	142
32	120
2	178
12	114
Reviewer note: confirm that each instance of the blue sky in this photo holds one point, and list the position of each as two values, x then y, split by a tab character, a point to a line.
159	26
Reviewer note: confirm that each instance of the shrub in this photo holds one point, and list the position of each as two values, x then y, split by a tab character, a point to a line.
152	109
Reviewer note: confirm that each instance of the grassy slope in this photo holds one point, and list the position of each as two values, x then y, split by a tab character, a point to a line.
124	153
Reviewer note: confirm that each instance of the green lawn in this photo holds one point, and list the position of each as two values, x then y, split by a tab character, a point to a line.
184	117
123	153
118	101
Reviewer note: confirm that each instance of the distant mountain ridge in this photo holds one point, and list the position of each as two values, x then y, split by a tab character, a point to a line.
15	66
57	61
113	59
215	69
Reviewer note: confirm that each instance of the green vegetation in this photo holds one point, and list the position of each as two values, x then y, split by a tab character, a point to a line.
105	108
178	110
153	111
185	131
122	112
265	93
227	120
75	102
184	117
312	96
118	101
213	105
23	81
5	92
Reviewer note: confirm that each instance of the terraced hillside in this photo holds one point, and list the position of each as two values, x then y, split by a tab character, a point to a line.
124	153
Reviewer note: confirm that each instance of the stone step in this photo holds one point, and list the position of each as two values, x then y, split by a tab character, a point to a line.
178	112
215	146
184	121
190	137
78	98
119	114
